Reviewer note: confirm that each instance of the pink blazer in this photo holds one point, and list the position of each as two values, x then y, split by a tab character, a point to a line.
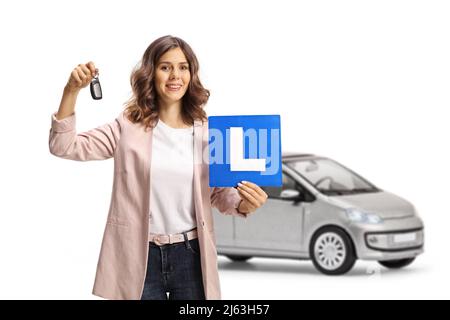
122	263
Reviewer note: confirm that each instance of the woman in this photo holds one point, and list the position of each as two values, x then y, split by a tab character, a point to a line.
159	237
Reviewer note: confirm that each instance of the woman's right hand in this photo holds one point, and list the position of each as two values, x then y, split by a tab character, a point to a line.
81	76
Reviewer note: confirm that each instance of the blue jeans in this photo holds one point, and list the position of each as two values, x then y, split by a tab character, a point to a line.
174	269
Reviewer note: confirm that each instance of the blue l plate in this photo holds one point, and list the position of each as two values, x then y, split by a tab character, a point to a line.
261	139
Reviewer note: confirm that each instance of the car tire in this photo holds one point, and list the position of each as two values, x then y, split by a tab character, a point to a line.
332	251
238	258
397	264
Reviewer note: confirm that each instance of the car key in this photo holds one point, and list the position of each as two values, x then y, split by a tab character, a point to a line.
96	89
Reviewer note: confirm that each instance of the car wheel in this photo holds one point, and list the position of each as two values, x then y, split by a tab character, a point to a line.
238	258
397	264
332	251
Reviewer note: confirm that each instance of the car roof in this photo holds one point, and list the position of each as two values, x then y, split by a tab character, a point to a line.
289	154
292	156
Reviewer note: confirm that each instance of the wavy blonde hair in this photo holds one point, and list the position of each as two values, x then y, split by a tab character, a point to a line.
143	107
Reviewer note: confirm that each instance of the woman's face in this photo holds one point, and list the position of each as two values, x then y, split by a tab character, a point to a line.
172	76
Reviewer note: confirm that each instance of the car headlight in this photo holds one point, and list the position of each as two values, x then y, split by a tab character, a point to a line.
359	216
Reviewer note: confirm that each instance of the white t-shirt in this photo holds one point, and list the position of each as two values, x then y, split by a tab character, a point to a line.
172	173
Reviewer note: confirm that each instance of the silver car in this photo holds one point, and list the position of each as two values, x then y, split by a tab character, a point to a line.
327	213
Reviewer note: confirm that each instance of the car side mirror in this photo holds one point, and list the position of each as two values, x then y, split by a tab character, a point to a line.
290	194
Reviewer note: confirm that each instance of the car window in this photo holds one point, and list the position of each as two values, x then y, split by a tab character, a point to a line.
274	192
330	177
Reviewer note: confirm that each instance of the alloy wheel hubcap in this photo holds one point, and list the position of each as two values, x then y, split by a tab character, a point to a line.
329	251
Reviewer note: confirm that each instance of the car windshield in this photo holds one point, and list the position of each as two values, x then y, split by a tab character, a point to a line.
329	177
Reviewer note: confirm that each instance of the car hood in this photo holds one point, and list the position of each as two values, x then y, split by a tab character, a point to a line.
384	204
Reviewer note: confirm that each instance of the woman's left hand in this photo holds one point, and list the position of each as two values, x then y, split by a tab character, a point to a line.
252	196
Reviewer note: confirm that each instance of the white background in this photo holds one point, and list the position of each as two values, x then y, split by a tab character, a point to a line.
363	82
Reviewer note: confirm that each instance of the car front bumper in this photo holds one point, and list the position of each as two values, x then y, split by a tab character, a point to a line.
391	240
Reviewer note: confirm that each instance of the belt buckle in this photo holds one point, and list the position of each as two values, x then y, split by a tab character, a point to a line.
157	241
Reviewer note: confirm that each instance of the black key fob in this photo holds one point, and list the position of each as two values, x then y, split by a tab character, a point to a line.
96	89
